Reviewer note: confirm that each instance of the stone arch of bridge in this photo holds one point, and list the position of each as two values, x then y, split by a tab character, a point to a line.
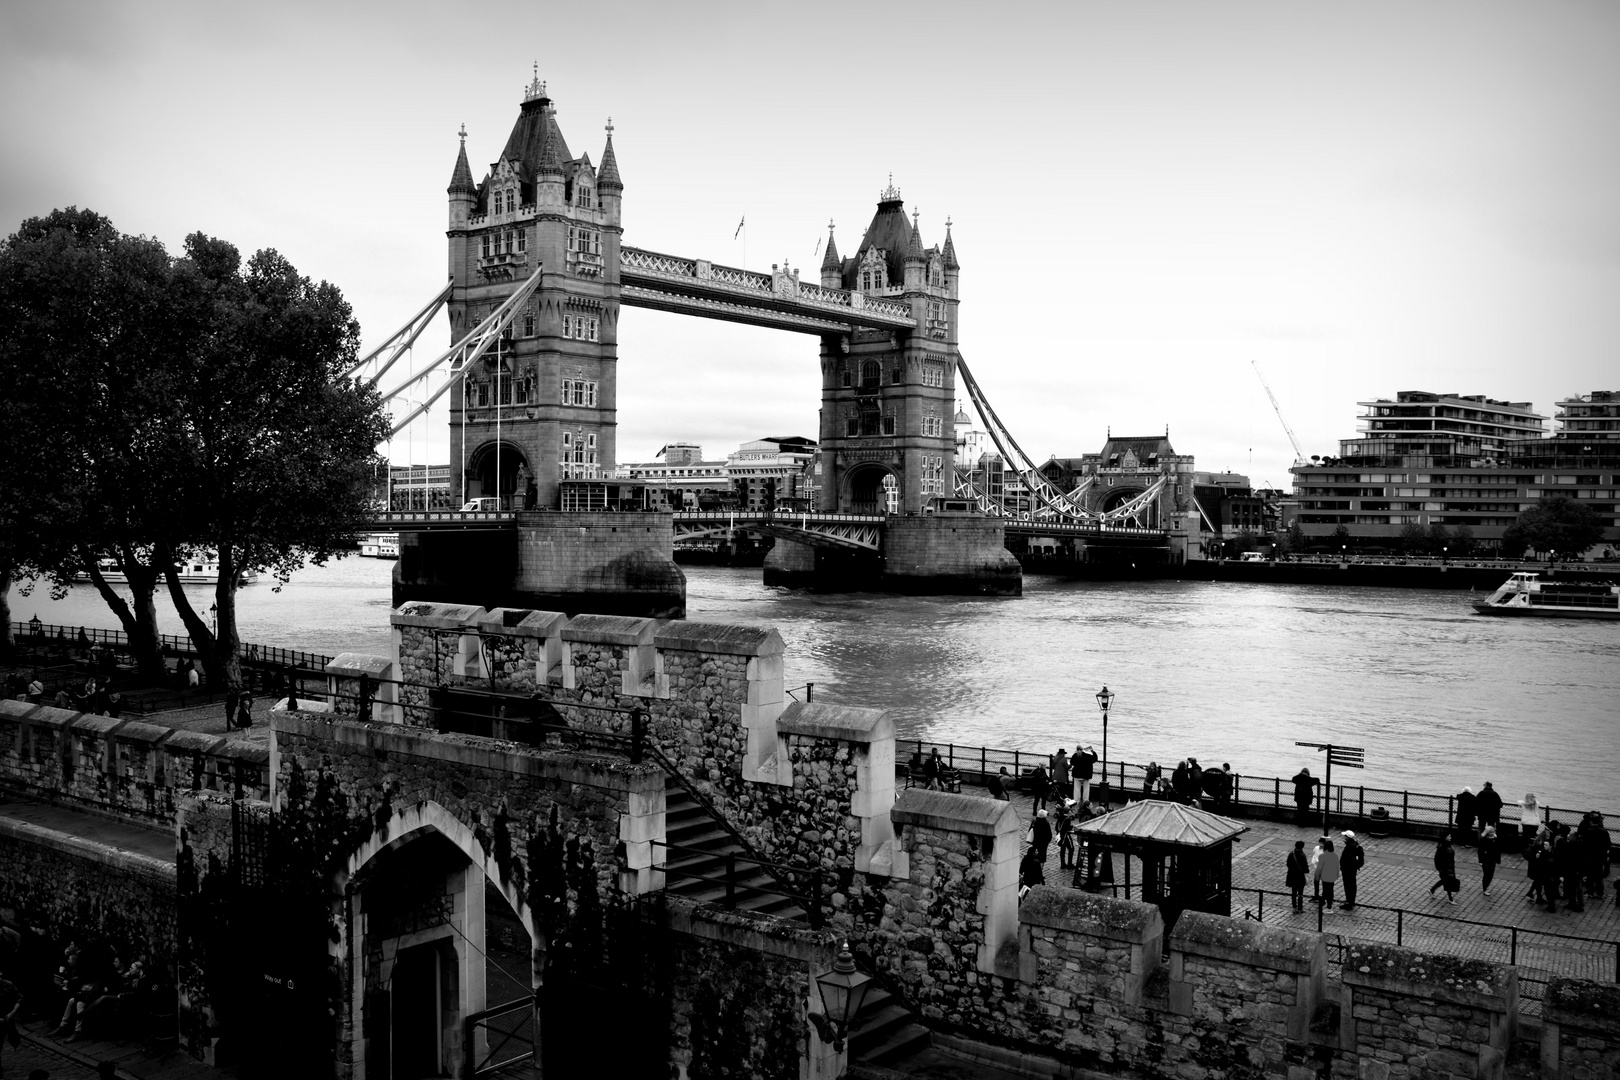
407	961
872	487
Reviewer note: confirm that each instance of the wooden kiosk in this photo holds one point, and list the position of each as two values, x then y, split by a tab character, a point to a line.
1185	855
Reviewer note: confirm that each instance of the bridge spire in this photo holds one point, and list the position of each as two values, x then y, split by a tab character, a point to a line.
949	253
830	262
607	177
461	179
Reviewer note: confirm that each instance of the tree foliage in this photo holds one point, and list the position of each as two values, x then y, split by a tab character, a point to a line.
165	407
1556	525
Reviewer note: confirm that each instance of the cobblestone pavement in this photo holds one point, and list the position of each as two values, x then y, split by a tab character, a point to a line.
1398	874
30	1055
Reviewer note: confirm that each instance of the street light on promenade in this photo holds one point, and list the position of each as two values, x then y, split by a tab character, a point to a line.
1105	698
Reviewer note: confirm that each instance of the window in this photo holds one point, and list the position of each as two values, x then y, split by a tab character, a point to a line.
584	241
897	376
483	395
500	243
933	373
888	425
495	204
486	247
522	241
844	377
585	197
871	375
583	327
933	425
933	474
504	387
525	388
528	324
581	392
851	427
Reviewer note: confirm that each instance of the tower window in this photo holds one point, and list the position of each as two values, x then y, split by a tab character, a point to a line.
500	243
888	425
871	375
486	245
522	240
528	324
585	199
897	376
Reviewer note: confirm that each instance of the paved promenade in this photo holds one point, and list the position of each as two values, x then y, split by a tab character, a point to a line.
1398	874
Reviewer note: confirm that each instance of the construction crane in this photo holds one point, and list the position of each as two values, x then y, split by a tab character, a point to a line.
1299	455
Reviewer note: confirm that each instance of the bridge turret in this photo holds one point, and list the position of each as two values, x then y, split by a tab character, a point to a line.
608	184
916	262
832	267
952	267
462	196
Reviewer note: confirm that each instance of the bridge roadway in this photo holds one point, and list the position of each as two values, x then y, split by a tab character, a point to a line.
850	531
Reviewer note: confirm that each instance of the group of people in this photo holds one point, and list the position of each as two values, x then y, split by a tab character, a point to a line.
1325	868
1066	816
1190	783
95	696
84	989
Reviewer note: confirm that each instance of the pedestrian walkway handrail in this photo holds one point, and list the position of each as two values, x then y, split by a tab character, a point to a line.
49	636
976	764
809	899
1517	936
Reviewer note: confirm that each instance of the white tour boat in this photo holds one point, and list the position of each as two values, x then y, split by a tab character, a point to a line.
200	571
1525	593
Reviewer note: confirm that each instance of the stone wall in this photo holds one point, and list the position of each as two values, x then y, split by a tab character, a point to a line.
1580	1030
960	553
128	768
69	887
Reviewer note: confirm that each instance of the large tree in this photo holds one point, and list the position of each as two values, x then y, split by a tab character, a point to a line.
1556	525
270	452
82	333
159	408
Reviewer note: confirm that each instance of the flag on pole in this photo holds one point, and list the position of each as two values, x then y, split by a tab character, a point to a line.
739	226
816	252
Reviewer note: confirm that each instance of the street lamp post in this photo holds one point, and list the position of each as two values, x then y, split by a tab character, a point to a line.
1105	698
842	991
213	619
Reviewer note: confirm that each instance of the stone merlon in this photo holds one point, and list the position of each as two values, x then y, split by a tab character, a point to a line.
976	815
1092	915
1437	977
439	616
357	664
1583	1005
610	630
1219	938
848	723
721	638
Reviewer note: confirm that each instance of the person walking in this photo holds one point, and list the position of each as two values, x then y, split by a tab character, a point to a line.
932	769
1488	806
1030	873
1060	776
244	710
1445	865
1326	872
1041	835
1299	866
1065	832
1352	858
1304	793
1042	783
1490	853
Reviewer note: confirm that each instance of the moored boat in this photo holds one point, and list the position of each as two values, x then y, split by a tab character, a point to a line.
198	571
1526	593
380	546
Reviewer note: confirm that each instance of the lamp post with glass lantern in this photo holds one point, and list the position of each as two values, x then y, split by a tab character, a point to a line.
1105	698
842	990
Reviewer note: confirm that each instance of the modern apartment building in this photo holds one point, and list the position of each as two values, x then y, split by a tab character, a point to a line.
1461	460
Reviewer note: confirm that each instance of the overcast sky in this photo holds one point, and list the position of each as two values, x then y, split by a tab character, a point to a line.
1361	197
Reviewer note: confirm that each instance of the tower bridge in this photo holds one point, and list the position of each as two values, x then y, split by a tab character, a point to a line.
538	275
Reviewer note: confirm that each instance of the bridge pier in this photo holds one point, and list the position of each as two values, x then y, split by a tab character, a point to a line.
949	554
601	562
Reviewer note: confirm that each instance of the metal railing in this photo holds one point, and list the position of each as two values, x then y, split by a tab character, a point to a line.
1544	950
733	881
1346	802
510	1023
46	638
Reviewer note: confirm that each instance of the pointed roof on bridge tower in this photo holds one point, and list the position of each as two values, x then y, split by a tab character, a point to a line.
461	179
914	247
536	140
890	232
608	175
830	261
950	249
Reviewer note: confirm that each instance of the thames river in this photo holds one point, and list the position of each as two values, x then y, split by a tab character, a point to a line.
1440	697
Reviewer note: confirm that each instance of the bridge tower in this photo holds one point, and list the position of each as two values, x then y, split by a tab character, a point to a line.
887	397
539	411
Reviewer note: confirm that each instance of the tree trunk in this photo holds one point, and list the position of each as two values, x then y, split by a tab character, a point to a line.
139	622
202	638
7	644
227	654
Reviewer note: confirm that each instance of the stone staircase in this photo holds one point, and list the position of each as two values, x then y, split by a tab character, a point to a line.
884	1031
700	845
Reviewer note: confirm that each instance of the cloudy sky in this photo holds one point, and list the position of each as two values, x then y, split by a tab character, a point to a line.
1147	197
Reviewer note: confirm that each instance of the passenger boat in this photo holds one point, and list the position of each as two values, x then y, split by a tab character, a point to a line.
380	545
1525	593
199	571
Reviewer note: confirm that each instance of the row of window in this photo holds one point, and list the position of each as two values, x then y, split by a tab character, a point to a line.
579	392
505	201
583	327
933	475
515	241
584	241
872	375
520	390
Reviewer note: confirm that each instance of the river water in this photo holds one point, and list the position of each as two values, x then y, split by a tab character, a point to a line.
1439	696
